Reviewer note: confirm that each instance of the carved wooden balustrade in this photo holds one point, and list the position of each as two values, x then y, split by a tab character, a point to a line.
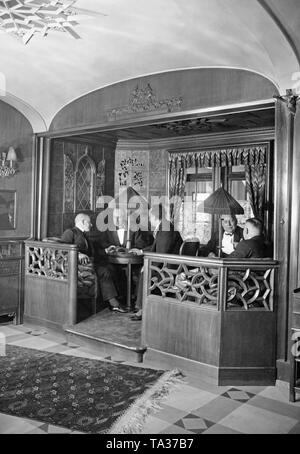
55	282
51	262
220	284
11	278
215	317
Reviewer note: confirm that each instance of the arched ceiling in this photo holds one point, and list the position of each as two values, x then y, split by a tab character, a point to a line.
138	37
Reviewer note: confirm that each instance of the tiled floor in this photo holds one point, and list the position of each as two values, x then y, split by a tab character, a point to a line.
193	407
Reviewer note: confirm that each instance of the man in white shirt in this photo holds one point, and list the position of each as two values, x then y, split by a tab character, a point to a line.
232	235
229	224
118	236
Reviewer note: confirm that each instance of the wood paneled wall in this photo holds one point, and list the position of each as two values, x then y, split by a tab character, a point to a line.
58	221
16	131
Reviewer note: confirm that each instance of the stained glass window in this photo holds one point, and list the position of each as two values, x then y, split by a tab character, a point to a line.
69	185
84	185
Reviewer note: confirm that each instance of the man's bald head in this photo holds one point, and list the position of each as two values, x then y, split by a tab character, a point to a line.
83	222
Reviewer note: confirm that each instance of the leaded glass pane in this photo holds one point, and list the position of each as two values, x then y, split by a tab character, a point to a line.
84	186
69	185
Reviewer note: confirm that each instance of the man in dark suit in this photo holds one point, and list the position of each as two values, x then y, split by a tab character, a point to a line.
86	253
253	246
117	236
232	235
167	240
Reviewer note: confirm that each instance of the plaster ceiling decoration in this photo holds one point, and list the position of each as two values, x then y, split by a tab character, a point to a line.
25	18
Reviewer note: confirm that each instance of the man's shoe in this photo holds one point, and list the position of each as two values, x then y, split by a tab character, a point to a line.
136	318
117	309
114	306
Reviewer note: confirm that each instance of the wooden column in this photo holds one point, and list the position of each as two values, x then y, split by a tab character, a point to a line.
286	226
295	233
295	227
41	187
34	188
45	187
73	272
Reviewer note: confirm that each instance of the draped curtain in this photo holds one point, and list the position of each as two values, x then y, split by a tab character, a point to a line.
177	180
255	185
253	157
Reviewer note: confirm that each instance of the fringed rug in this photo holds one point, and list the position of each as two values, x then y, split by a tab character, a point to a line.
80	394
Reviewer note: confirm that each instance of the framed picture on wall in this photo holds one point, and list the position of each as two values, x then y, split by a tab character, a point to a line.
7	209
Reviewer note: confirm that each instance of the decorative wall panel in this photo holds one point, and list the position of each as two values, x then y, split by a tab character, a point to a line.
132	169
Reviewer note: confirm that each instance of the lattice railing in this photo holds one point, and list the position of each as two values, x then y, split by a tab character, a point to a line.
250	289
48	262
220	284
185	283
55	261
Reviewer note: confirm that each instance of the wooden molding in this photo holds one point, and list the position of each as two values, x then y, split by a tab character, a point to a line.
160	118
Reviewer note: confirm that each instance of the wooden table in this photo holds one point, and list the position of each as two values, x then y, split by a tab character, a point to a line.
126	260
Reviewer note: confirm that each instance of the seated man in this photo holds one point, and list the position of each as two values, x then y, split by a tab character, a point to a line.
116	236
232	235
166	241
253	246
86	253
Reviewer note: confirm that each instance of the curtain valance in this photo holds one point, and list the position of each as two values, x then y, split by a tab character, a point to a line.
222	157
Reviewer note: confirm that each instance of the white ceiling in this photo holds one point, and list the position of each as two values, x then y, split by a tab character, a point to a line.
139	37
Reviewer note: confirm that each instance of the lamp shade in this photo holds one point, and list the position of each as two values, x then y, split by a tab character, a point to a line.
11	154
221	202
123	199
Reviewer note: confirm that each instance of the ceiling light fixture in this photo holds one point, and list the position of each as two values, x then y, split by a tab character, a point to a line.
25	18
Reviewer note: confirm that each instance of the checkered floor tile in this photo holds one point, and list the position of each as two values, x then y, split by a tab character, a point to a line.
238	395
194	407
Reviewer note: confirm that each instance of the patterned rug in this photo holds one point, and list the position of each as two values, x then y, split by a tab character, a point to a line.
80	394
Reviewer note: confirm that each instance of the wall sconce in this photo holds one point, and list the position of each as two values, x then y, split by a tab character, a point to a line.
8	165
